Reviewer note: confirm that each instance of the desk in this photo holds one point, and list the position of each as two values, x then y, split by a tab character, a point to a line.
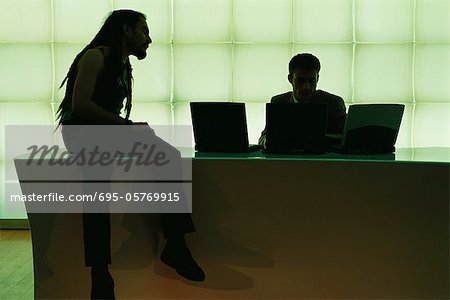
286	228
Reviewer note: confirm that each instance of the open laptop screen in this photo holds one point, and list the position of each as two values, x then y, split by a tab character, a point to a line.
293	126
372	128
219	126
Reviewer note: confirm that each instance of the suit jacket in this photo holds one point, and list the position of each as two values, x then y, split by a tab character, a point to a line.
336	110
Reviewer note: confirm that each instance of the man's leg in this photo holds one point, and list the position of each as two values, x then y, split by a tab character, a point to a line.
96	226
176	253
175	225
97	253
97	239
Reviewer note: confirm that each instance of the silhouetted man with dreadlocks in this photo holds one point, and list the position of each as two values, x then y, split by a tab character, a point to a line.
98	81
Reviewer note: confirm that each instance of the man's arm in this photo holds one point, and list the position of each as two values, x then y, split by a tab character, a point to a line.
89	66
339	117
262	138
282	98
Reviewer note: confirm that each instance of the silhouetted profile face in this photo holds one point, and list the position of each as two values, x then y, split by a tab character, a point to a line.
304	83
138	39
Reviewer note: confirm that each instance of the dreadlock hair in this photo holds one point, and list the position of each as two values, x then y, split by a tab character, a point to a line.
110	35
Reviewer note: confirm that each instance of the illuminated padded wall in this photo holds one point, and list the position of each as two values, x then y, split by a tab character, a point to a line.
223	50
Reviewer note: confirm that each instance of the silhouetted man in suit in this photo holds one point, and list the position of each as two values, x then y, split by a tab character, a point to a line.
304	75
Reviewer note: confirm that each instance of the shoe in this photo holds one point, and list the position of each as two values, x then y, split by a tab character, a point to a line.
182	261
102	285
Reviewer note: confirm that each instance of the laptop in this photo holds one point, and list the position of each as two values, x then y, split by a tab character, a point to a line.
220	127
369	129
293	128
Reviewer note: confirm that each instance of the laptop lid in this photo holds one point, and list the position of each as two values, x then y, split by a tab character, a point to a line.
219	126
294	126
372	127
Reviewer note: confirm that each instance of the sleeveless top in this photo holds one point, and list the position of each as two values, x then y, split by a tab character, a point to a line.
109	92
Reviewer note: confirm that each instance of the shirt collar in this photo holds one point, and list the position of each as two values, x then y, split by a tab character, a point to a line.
298	101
